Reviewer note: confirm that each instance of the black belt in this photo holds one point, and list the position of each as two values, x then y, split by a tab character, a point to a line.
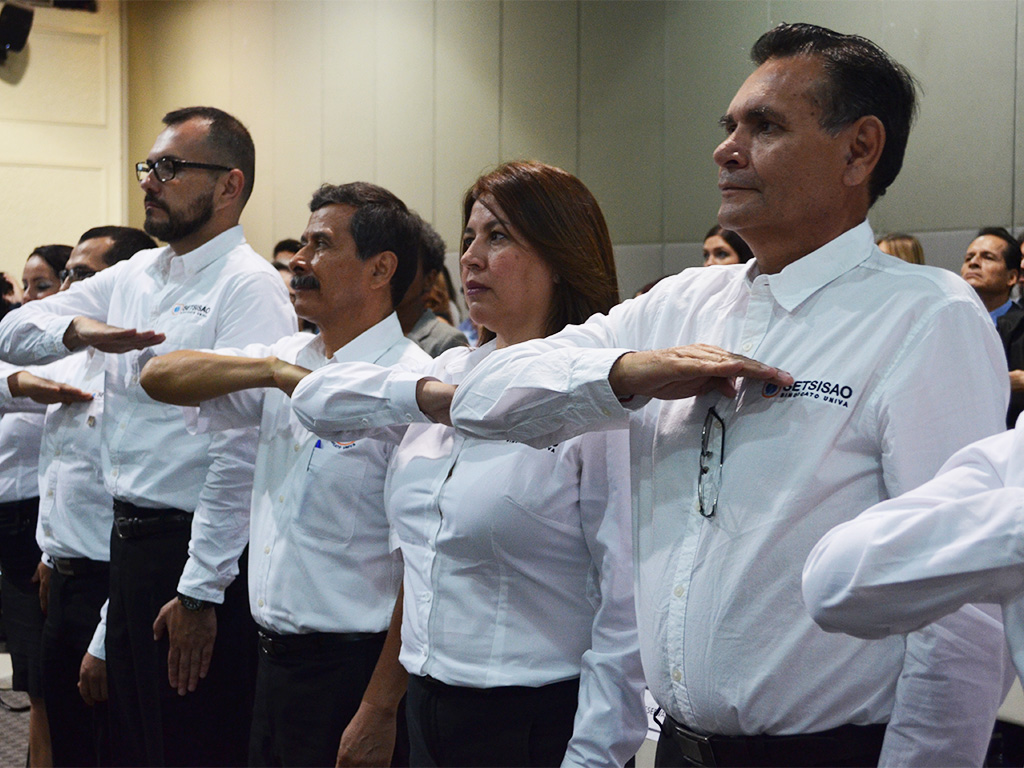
842	745
274	644
79	566
133	522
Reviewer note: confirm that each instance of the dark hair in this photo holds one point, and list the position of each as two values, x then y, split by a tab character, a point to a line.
127	242
432	248
860	79
288	245
56	256
1011	246
381	223
560	219
229	139
6	287
735	242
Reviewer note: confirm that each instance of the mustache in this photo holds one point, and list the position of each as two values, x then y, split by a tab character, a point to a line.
154	201
305	283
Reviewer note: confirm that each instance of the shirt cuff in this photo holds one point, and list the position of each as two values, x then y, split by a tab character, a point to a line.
199	582
98	644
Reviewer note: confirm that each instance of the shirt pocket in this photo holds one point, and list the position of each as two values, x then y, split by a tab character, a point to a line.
334	481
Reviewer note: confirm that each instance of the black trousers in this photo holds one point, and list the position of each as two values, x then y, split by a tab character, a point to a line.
19	597
308	688
150	723
79	734
507	726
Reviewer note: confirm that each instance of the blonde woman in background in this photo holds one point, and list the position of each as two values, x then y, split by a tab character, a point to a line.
906	247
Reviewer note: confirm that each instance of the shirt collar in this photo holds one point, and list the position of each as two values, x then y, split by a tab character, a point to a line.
199	258
799	280
998	312
371	344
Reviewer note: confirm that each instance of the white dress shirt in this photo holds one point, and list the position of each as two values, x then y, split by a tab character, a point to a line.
20	438
896	367
219	294
910	560
518	567
319	557
75	510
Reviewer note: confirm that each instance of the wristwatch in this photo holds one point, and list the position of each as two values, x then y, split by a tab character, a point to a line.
192	603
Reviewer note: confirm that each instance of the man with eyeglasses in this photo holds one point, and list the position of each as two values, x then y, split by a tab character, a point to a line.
894	367
181	501
75	514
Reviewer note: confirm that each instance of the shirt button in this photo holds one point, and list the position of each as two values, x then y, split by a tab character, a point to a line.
57	452
676	675
280	498
696	505
260	602
747	346
49	494
135	379
678	591
113	472
266	550
298	447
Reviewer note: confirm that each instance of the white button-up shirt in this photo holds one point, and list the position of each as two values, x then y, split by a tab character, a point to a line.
319	556
518	567
896	367
219	294
75	510
910	560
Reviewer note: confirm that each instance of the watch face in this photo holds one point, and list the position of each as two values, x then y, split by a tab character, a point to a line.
191	603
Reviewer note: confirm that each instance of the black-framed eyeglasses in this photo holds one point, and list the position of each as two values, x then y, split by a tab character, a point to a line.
75	274
166	168
712	456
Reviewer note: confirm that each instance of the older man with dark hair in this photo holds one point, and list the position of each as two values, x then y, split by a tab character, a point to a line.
735	480
181	501
322	579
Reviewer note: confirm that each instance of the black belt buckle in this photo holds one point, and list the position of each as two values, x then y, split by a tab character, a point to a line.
65	566
126	527
272	646
694	746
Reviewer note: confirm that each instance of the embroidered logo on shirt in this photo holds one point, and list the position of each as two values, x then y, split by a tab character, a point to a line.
826	391
335	443
199	310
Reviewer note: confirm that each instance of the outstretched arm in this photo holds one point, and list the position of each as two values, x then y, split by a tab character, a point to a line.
188	377
85	332
681	372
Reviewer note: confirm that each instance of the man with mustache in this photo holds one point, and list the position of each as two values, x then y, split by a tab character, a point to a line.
322	578
894	366
181	501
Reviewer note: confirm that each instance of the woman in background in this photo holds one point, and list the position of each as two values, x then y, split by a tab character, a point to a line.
20	437
723	246
906	247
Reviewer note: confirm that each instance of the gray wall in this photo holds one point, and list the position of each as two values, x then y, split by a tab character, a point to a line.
422	95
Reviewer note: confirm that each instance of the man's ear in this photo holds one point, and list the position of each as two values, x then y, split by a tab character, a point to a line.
866	138
230	188
382	268
1012	277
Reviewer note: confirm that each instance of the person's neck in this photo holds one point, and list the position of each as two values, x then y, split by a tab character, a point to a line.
994	302
409	314
202	236
777	248
336	335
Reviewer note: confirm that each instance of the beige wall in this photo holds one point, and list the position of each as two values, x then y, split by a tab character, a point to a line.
61	132
421	96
